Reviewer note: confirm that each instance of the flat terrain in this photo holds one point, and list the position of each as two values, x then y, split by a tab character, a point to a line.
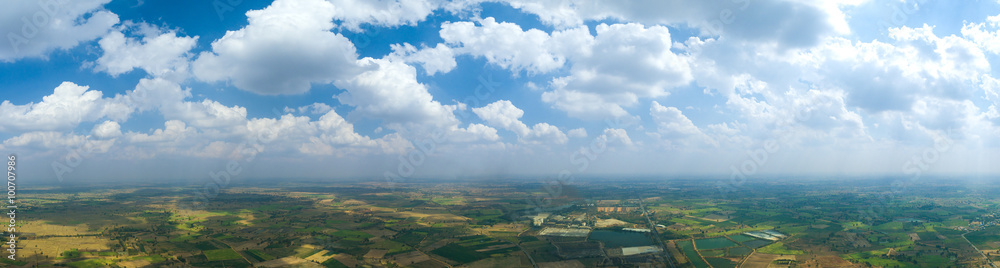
818	224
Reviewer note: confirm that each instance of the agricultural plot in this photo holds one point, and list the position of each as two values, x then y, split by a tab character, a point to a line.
221	254
986	239
474	248
714	243
688	248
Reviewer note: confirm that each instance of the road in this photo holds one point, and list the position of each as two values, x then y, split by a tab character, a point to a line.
656	234
980	252
533	264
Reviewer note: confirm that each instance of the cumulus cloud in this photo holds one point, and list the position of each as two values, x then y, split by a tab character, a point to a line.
507	45
35	28
438	59
627	62
108	129
156	53
881	76
504	114
577	133
673	125
168	98
390	92
67	106
984	34
353	13
781	22
50	141
286	48
615	137
608	72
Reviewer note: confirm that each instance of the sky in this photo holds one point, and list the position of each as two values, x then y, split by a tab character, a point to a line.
152	91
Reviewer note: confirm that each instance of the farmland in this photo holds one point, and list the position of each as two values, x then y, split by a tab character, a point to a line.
492	224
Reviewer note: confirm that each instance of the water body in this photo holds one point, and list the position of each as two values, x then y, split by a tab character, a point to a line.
617	239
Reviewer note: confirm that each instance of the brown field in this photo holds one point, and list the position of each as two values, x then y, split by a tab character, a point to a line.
511	261
760	260
318	256
410	258
66	239
824	261
561	264
289	262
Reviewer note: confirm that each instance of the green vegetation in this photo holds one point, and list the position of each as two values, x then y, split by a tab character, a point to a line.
779	248
714	243
222	254
986	239
465	223
741	238
688	248
91	263
259	255
720	263
459	253
738	251
333	263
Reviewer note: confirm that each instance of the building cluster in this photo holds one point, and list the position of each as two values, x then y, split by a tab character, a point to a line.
771	235
617	209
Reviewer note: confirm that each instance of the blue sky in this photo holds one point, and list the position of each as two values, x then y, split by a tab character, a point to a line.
167	90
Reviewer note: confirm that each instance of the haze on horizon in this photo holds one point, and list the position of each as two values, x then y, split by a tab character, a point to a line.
142	90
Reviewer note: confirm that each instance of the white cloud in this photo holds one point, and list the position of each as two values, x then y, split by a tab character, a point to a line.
504	114
672	124
353	13
35	28
627	62
608	72
438	59
987	37
390	92
577	133
507	45
169	99
315	108
782	22
285	48
546	134
108	129
880	76
615	137
158	55
173	131
68	106
45	139
50	141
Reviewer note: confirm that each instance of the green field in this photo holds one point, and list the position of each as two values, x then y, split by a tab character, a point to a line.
757	243
459	253
483	224
222	254
721	263
714	243
741	238
688	248
259	255
985	239
739	251
779	248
